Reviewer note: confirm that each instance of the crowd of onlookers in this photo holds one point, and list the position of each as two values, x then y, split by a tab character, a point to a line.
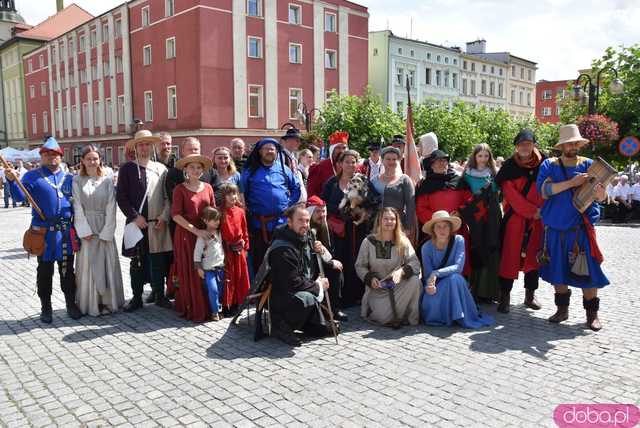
623	199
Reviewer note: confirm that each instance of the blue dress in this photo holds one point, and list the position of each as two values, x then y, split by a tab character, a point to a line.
564	225
452	301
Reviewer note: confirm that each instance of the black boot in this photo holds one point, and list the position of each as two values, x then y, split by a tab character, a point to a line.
531	285
46	315
162	301
505	295
530	300
134	304
284	332
592	306
340	316
562	302
72	309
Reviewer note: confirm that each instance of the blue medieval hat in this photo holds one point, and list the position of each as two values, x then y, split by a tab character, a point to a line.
52	145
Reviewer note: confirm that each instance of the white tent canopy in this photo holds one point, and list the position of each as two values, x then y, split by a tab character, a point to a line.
12	155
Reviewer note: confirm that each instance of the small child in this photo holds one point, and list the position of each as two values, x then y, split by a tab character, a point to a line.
208	257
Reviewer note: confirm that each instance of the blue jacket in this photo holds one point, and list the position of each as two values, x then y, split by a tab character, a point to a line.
269	191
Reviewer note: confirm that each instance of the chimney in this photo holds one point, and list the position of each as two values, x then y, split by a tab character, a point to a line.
477	46
59	5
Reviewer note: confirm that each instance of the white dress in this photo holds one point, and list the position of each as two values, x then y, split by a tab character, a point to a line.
98	274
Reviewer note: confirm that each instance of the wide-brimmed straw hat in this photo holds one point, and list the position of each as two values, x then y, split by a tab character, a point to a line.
142	136
570	134
439	216
203	160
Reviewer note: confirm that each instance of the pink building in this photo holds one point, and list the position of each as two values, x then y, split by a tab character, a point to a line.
214	69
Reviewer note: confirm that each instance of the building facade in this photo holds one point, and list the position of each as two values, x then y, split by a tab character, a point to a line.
484	82
205	68
549	95
433	70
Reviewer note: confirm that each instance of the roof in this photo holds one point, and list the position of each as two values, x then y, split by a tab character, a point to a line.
420	42
58	24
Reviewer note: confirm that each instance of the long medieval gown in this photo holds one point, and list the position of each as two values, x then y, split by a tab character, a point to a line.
236	271
98	274
191	298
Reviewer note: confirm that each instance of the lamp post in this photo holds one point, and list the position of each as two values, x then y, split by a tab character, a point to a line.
615	87
306	115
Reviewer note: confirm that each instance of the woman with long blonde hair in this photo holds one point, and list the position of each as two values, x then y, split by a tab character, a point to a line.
226	172
390	269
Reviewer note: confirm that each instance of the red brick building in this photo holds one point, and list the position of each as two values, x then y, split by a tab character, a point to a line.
214	69
548	95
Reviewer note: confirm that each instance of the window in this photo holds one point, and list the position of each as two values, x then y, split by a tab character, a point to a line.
546	94
375	51
92	38
83	76
96	113
171	47
30	66
148	106
484	68
83	43
500	71
438	58
330	22
464	65
295	53
492	89
107	113
464	86
145	16
529	99
529	75
45	121
411	53
446	79
255	47
71	47
254	7
400	107
169	8
560	93
546	111
65	122
400	75
513	71
412	75
295	99
446	60
521	98
94	72
438	78
557	110
43	89
118	64
121	158
121	109
106	68
109	155
34	123
399	51
146	55
294	14
483	87
428	55
57	119
329	94
74	112
85	115
32	91
473	87
513	96
172	102
493	69
54	83
118	30
522	73
473	66
105	32
329	58
255	101
455	61
454	80
41	61
72	80
500	90
427	79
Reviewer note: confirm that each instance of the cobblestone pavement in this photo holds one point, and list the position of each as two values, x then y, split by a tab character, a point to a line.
152	368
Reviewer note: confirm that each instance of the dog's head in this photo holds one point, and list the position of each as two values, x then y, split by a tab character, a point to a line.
357	186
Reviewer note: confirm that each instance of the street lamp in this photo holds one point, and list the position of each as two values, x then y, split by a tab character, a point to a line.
615	87
306	115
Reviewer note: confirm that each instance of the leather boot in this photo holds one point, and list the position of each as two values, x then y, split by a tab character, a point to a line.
46	315
162	301
562	302
530	300
592	306
284	332
504	302
72	309
134	304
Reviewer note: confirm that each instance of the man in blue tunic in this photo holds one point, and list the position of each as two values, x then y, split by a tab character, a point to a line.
270	187
570	254
50	187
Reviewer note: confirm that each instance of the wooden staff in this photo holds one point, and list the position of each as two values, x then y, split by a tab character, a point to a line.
35	206
326	294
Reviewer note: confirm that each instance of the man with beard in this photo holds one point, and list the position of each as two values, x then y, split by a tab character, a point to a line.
571	256
270	187
291	145
521	228
50	188
333	268
296	288
321	172
238	153
163	150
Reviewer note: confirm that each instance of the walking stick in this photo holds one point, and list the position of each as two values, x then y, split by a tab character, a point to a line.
326	295
35	206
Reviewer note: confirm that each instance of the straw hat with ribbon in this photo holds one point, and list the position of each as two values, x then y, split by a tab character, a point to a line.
203	160
142	136
570	134
439	216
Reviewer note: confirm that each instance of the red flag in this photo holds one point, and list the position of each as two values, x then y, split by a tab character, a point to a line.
411	161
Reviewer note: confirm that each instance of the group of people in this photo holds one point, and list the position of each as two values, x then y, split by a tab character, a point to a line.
623	199
352	231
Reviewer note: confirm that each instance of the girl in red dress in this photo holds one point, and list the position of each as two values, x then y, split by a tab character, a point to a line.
189	200
235	237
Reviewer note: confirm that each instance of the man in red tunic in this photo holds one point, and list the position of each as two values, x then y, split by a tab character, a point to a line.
521	226
321	172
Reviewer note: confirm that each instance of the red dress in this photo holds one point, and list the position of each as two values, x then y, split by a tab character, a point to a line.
191	298
319	174
236	273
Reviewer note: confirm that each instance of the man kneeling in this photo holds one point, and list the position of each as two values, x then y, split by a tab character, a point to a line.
297	289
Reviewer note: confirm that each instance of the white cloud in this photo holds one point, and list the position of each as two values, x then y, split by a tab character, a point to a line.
36	11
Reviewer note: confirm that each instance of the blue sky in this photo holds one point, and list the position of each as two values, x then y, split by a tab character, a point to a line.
562	36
